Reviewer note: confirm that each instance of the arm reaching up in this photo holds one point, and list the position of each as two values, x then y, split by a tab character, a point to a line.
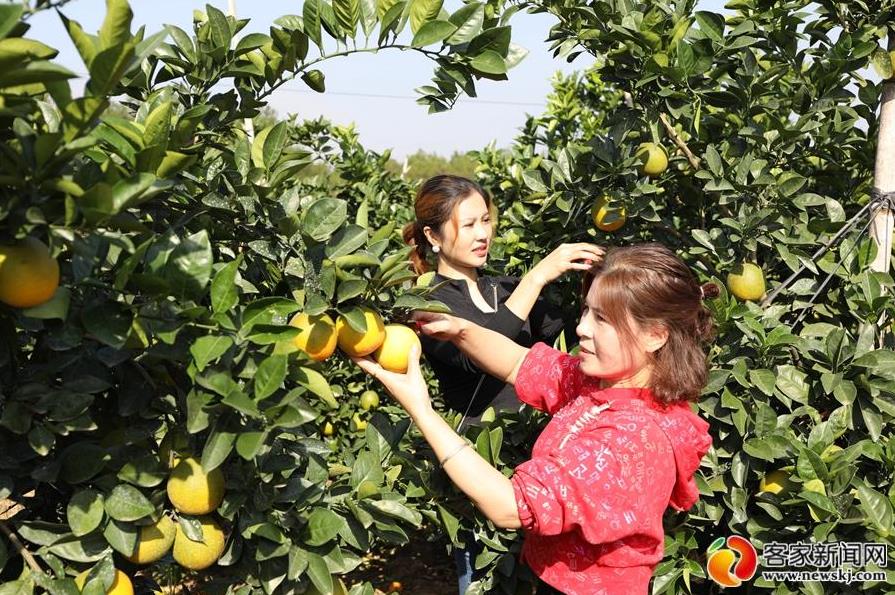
489	350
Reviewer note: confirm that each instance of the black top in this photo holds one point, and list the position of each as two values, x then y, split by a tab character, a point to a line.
457	375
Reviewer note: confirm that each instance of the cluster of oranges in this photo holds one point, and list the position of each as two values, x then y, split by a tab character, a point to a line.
389	344
608	211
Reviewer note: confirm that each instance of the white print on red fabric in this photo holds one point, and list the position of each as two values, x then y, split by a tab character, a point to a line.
592	496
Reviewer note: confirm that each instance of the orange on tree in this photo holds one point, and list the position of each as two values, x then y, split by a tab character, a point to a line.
394	351
197	555
29	275
775	482
653	159
746	281
121	585
369	399
360	344
608	213
317	336
193	491
154	541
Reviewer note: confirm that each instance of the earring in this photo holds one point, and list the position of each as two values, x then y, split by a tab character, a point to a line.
436	249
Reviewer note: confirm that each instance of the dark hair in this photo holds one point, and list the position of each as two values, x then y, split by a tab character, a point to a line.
435	203
649	283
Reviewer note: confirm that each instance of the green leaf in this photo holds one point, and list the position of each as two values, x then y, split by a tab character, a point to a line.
489	62
877	509
85	512
270	376
85	44
122	537
267	311
106	323
882	63
711	24
319	573
224	292
127	503
9	18
56	307
116	27
189	267
16	51
251	42
323	526
347	14
468	20
422	11
317	384
157	126
217	449
248	444
790	183
209	348
107	68
311	17
432	32
324	217
368	16
144	472
221	34
496	39
273	144
764	380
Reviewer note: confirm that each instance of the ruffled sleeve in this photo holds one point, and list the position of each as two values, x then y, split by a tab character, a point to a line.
548	378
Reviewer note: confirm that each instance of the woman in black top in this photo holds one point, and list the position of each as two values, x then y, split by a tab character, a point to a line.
453	230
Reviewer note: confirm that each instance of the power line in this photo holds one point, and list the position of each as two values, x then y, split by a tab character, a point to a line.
463	98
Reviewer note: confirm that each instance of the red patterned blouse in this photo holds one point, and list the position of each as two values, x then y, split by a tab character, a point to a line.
602	473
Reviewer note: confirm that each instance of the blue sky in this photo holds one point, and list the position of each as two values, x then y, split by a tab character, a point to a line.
376	92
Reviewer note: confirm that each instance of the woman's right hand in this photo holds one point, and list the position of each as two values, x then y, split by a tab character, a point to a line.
566	257
443	327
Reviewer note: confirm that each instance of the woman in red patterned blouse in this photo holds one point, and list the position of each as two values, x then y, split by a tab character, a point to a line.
623	443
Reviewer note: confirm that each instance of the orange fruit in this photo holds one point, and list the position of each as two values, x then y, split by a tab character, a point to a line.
369	399
193	491
154	541
198	555
359	344
317	336
653	159
120	586
608	213
746	281
29	275
394	351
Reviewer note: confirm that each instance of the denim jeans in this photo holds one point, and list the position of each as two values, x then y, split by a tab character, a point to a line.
464	559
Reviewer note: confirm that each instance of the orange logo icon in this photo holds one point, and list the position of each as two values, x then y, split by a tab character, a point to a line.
730	566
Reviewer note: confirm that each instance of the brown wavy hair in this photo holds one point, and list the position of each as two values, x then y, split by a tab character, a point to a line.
435	203
652	286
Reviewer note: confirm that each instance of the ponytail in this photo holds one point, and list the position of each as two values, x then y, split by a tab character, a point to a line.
413	236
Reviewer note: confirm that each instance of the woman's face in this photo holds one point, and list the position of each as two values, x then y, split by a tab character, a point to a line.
606	354
468	246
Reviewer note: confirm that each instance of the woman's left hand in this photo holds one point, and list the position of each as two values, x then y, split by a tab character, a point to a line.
408	389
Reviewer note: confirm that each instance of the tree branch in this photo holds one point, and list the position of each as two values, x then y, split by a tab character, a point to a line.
693	159
21	549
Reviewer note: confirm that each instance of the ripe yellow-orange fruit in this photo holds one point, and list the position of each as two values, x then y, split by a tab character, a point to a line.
195	555
192	491
775	482
746	281
317	337
394	351
29	275
120	586
359	344
653	159
154	541
369	400
608	213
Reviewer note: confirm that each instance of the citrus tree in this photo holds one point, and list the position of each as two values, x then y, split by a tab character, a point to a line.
173	295
745	140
